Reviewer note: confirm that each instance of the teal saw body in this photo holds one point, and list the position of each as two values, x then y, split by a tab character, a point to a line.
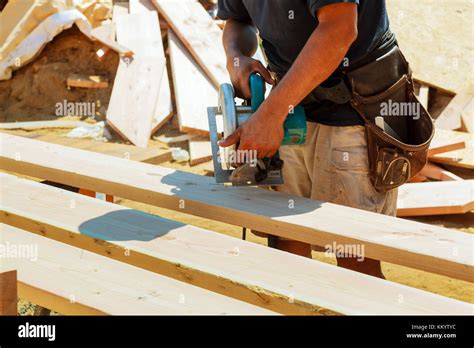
295	124
253	172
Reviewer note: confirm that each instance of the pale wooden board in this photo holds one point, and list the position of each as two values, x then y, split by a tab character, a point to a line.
248	271
103	285
450	118
194	92
463	158
199	151
148	155
384	238
104	35
164	104
443	143
436	198
136	85
198	32
437	40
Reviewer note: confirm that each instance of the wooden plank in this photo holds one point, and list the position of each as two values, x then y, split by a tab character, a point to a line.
87	81
436	198
73	281
152	155
198	32
136	85
250	272
384	238
435	172
164	104
104	33
463	158
450	118
140	6
8	288
199	151
120	9
192	99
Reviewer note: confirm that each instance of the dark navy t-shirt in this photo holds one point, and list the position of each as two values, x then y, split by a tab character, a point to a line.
285	26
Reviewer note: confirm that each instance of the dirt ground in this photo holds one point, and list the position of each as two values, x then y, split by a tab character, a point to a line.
32	94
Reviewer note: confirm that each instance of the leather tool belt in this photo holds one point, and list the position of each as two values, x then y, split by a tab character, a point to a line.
382	86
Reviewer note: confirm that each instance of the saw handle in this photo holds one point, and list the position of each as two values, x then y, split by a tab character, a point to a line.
257	90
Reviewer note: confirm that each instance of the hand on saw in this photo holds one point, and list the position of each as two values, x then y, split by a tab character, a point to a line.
263	132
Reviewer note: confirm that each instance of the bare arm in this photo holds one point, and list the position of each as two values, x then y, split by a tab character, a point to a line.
240	44
322	54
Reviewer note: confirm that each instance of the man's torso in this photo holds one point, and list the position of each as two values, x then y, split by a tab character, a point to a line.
285	26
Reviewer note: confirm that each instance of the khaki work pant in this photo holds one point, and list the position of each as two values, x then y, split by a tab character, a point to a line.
332	166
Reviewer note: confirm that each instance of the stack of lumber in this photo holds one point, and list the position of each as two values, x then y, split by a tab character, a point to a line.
150	248
437	190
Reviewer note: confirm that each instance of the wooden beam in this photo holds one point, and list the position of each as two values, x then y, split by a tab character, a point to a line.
164	104
436	198
253	273
385	238
8	289
192	99
73	281
199	33
137	82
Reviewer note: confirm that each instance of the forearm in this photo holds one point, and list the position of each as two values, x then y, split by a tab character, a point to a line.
239	39
322	54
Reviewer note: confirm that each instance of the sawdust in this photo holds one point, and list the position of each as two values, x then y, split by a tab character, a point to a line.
34	90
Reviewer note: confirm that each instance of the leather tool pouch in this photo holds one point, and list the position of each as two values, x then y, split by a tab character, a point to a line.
384	88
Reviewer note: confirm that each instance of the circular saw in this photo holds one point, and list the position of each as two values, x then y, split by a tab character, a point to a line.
243	168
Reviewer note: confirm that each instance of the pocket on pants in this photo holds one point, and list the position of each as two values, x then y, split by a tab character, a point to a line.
351	182
352	158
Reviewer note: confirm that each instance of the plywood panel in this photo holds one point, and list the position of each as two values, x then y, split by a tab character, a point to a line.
194	92
164	105
135	92
198	32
